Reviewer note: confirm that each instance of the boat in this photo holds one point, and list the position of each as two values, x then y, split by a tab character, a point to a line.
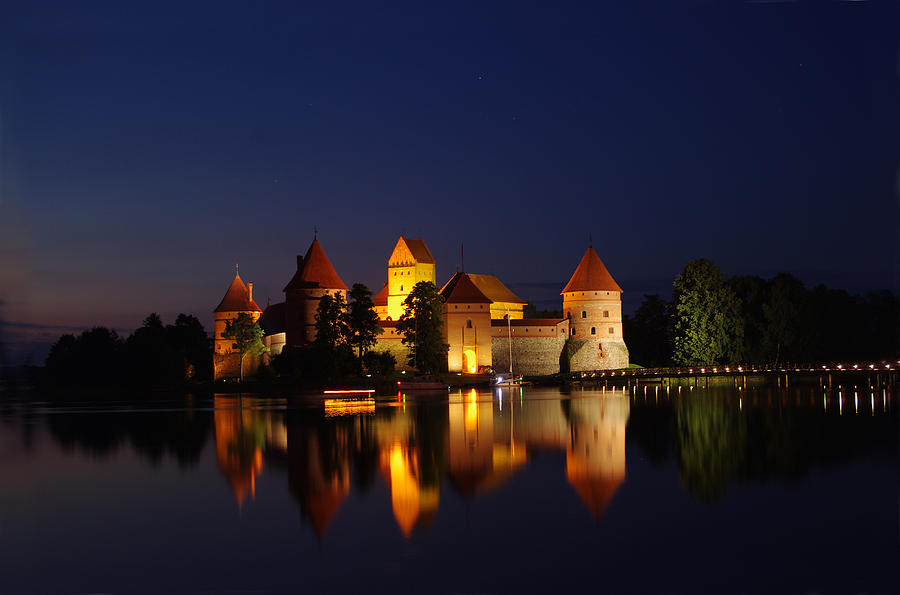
507	381
510	379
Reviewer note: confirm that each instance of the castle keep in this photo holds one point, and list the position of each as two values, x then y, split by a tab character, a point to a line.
484	322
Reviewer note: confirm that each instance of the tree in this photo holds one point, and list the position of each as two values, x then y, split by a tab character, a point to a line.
361	320
148	357
331	324
189	340
707	325
247	336
422	328
753	291
648	332
783	313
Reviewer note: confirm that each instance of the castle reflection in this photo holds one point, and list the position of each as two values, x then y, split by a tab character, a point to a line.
477	441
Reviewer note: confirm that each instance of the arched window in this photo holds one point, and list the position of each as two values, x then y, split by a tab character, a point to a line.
583	313
593	330
468	324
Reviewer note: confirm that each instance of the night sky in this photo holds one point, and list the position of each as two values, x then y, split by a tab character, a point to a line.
145	148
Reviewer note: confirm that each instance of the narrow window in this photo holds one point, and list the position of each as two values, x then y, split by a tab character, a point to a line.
583	313
606	314
401	288
573	332
468	306
468	324
611	331
593	330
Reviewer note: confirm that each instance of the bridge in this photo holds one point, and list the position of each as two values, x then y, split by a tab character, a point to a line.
876	375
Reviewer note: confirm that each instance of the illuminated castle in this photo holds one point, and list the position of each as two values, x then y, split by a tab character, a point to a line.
484	322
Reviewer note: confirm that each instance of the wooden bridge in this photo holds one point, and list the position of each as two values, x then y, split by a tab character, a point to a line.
884	374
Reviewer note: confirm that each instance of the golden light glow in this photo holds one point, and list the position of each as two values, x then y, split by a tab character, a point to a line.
471	361
337	407
471	415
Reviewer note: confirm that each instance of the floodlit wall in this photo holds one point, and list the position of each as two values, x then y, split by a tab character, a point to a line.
595	319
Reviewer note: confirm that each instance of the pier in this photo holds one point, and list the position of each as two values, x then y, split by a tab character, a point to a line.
869	375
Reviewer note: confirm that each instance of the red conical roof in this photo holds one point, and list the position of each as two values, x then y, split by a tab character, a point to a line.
315	271
461	289
382	298
591	275
237	298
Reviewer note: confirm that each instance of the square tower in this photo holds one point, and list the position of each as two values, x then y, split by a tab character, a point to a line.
410	262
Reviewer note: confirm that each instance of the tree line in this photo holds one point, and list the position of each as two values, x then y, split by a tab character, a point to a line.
154	355
713	319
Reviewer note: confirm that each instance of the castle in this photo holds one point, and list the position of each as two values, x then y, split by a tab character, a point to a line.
484	322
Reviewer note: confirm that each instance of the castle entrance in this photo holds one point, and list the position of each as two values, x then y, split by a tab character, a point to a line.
470	361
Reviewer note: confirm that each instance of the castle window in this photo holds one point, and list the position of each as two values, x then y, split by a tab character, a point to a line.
468	306
583	313
611	331
593	330
455	307
573	332
468	324
401	288
606	314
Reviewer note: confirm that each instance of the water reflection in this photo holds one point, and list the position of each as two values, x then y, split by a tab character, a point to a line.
472	440
410	487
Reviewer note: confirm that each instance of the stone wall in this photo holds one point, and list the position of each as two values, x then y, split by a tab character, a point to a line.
227	365
532	356
396	348
588	354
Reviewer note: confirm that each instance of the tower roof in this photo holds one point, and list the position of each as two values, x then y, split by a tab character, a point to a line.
315	270
461	289
237	298
381	298
494	289
409	249
591	275
273	319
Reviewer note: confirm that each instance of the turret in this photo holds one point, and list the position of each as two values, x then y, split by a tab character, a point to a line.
592	301
314	278
238	299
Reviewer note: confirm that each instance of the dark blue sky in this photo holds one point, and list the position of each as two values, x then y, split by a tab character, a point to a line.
146	148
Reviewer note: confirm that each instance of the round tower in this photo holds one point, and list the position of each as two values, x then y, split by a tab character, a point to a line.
592	301
314	278
238	300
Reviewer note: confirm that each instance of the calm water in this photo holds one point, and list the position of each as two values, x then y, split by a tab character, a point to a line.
531	491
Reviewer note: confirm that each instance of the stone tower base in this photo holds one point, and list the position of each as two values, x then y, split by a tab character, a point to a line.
586	355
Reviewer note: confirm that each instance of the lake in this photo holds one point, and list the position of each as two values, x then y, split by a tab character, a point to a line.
533	490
